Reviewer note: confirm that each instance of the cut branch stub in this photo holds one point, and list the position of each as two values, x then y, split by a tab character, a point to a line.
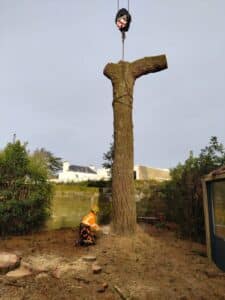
148	65
123	76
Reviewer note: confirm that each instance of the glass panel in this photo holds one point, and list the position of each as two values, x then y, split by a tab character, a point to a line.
218	196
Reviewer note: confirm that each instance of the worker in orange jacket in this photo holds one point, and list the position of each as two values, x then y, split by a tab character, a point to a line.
89	228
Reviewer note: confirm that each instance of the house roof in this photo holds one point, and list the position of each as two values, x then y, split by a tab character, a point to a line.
219	171
215	174
81	169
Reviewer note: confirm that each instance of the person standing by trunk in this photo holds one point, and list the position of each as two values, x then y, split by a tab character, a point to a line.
89	228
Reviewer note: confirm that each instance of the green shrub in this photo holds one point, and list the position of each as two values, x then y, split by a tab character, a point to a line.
21	217
25	193
105	205
183	195
148	201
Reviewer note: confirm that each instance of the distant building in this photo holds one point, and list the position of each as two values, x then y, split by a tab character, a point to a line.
104	174
147	173
74	173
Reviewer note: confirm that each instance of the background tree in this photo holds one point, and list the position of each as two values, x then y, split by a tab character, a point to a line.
13	168
48	161
108	157
183	194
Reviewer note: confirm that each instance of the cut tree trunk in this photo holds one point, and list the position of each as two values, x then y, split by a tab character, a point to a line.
123	76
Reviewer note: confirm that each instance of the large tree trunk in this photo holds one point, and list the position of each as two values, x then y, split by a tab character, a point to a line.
123	76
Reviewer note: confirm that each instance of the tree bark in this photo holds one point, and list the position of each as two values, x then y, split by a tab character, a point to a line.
123	76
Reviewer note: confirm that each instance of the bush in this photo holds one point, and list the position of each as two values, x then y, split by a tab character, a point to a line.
25	193
21	217
148	202
105	206
183	194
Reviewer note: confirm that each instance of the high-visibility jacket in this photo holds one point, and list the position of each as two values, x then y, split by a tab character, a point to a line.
90	220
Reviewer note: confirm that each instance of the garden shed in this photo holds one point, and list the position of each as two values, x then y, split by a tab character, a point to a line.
214	211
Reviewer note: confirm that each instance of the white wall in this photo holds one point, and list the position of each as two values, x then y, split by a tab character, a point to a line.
71	176
142	172
104	174
66	166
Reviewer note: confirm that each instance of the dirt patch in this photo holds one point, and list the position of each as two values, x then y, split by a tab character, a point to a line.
152	265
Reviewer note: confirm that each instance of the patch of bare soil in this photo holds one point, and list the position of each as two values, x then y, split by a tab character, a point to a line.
152	265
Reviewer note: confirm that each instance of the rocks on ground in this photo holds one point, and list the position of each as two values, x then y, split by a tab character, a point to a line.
20	272
8	262
14	266
89	258
96	269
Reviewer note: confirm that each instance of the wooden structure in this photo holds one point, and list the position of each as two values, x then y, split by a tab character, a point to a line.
214	211
123	76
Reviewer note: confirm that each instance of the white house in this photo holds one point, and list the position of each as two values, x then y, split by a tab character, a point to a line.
74	173
104	174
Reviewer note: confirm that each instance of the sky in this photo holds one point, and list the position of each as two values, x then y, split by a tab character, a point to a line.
54	95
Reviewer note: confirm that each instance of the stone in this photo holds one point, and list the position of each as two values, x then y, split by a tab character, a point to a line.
105	285
96	269
19	273
89	258
56	273
101	289
41	276
8	262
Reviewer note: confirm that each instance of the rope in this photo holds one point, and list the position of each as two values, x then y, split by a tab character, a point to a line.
124	95
123	39
117	100
123	33
128	5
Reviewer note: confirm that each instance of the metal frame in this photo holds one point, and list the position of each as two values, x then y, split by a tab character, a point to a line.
205	181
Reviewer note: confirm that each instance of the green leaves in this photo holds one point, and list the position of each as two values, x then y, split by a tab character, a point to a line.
108	157
183	194
13	162
25	193
47	161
